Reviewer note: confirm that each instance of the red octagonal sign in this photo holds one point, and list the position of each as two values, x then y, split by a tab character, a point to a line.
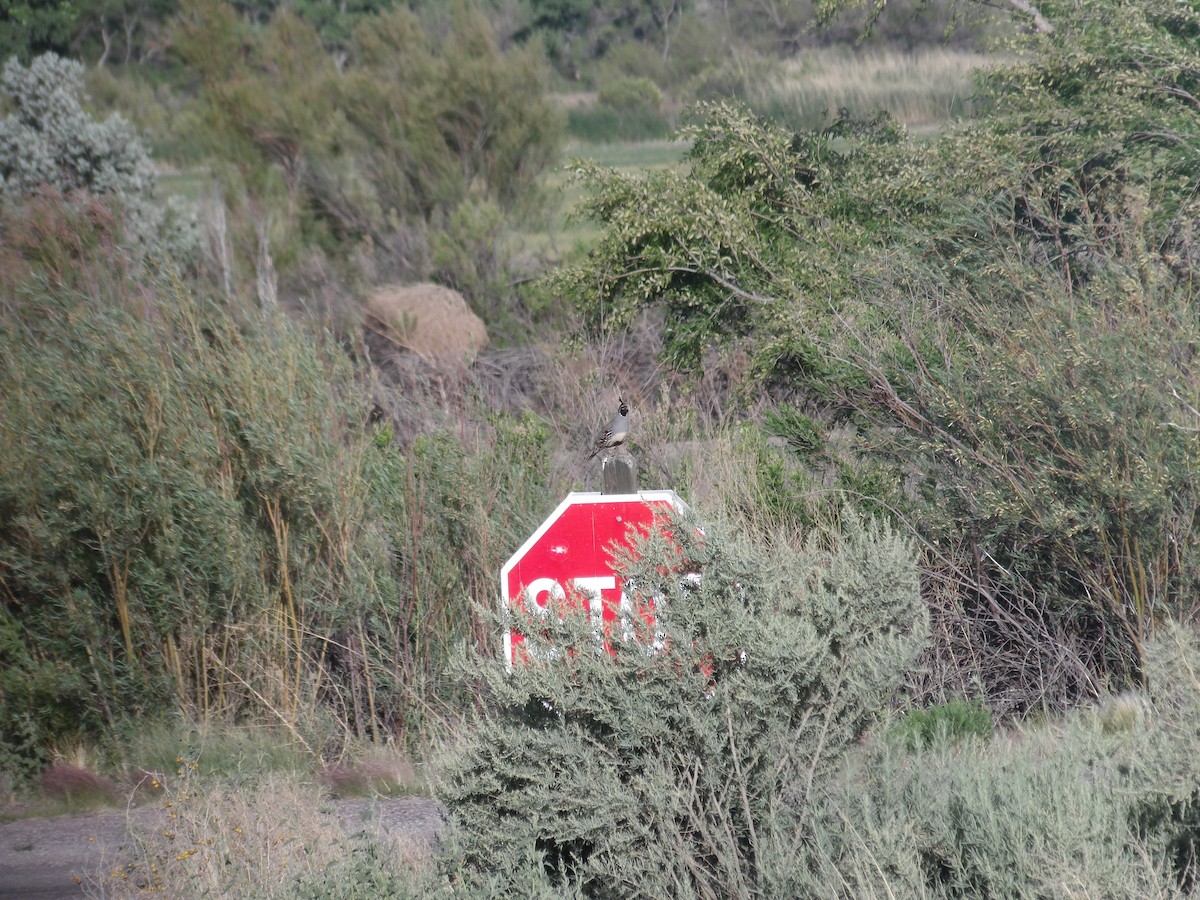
570	555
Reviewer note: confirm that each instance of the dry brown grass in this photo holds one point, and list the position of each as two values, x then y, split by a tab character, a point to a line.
374	773
259	839
918	90
427	319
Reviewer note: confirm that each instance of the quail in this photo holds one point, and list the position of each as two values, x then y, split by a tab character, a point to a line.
615	432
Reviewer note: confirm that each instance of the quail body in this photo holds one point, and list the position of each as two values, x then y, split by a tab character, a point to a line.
614	433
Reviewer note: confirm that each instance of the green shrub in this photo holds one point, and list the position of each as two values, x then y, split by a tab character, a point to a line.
630	60
1054	434
694	46
36	27
184	519
1071	808
1000	320
631	95
50	141
399	163
366	869
954	721
1029	819
679	772
466	254
755	486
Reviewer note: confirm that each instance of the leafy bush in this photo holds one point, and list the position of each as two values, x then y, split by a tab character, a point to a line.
627	109
51	141
422	128
630	60
49	138
631	95
1000	320
466	253
680	772
35	28
185	519
1051	448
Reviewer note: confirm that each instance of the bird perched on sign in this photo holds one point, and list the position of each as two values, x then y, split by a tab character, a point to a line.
614	433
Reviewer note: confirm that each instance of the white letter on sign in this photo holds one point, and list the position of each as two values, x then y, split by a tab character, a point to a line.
592	587
540	586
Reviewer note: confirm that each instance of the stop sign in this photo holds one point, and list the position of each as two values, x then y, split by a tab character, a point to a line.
569	555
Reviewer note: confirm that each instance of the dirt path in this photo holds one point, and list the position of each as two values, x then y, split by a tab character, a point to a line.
54	858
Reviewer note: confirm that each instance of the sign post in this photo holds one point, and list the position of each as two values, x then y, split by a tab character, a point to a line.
570	555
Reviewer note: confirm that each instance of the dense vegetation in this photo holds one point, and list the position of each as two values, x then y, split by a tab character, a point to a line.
999	320
934	396
698	755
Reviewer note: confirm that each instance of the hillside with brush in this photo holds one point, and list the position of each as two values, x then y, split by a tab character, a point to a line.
308	315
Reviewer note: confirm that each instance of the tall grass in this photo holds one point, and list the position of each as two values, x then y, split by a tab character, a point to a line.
461	497
604	125
197	518
919	90
187	515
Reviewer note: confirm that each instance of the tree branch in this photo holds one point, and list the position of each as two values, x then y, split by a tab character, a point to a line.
1040	23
